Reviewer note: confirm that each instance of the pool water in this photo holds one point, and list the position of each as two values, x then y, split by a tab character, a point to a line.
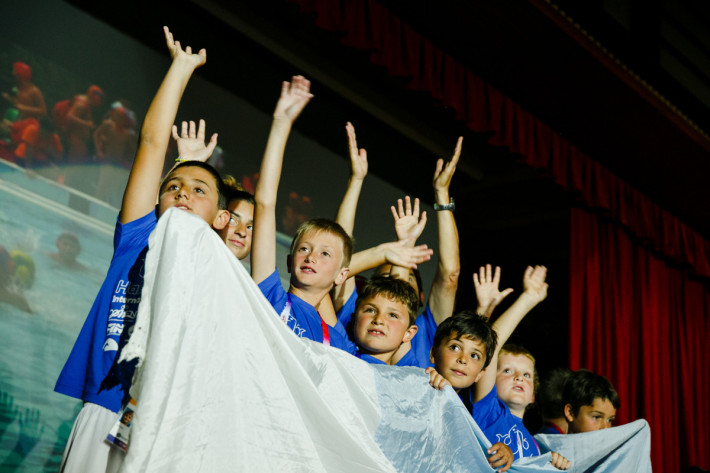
35	422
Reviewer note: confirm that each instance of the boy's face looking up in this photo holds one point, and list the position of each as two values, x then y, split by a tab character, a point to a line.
382	325
515	382
317	261
194	190
237	234
600	415
459	360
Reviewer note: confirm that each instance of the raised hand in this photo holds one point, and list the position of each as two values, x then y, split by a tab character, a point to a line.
401	253
534	284
177	53
294	97
8	411
408	224
487	293
445	171
191	144
358	157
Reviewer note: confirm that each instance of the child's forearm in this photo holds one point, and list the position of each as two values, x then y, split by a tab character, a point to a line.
448	269
505	325
348	207
263	240
270	173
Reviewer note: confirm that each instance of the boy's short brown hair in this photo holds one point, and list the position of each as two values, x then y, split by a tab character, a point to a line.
391	288
329	226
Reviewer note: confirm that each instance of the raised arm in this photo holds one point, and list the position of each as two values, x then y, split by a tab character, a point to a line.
348	207
144	180
358	171
446	279
534	292
294	97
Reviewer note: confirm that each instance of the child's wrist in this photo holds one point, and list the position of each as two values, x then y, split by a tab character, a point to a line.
529	298
442	197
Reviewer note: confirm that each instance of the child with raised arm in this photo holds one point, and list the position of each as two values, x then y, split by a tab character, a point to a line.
400	253
442	295
499	399
192	186
320	251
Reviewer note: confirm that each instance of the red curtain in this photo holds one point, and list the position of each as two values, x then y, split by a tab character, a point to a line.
644	324
637	314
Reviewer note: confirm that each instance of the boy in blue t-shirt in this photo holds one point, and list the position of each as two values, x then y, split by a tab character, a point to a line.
192	186
391	260
384	318
462	350
320	251
506	388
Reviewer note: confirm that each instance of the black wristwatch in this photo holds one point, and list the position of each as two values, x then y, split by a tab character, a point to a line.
449	206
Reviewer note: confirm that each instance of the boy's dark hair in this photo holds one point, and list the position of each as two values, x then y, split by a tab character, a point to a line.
513	349
391	288
549	396
468	324
219	184
235	192
329	226
583	387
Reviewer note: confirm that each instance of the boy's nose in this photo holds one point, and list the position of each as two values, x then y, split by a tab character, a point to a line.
241	230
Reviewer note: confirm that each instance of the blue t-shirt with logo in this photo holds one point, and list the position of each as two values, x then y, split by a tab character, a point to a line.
418	354
301	317
95	349
500	425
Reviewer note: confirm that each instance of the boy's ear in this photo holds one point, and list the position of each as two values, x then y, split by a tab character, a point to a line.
342	276
480	374
431	356
410	333
568	413
221	220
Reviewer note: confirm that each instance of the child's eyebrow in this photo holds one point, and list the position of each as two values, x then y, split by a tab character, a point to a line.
200	181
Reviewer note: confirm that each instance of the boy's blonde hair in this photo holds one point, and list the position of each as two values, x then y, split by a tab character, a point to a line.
512	349
329	226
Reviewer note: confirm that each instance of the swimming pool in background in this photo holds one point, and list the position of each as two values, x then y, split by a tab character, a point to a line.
35	422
